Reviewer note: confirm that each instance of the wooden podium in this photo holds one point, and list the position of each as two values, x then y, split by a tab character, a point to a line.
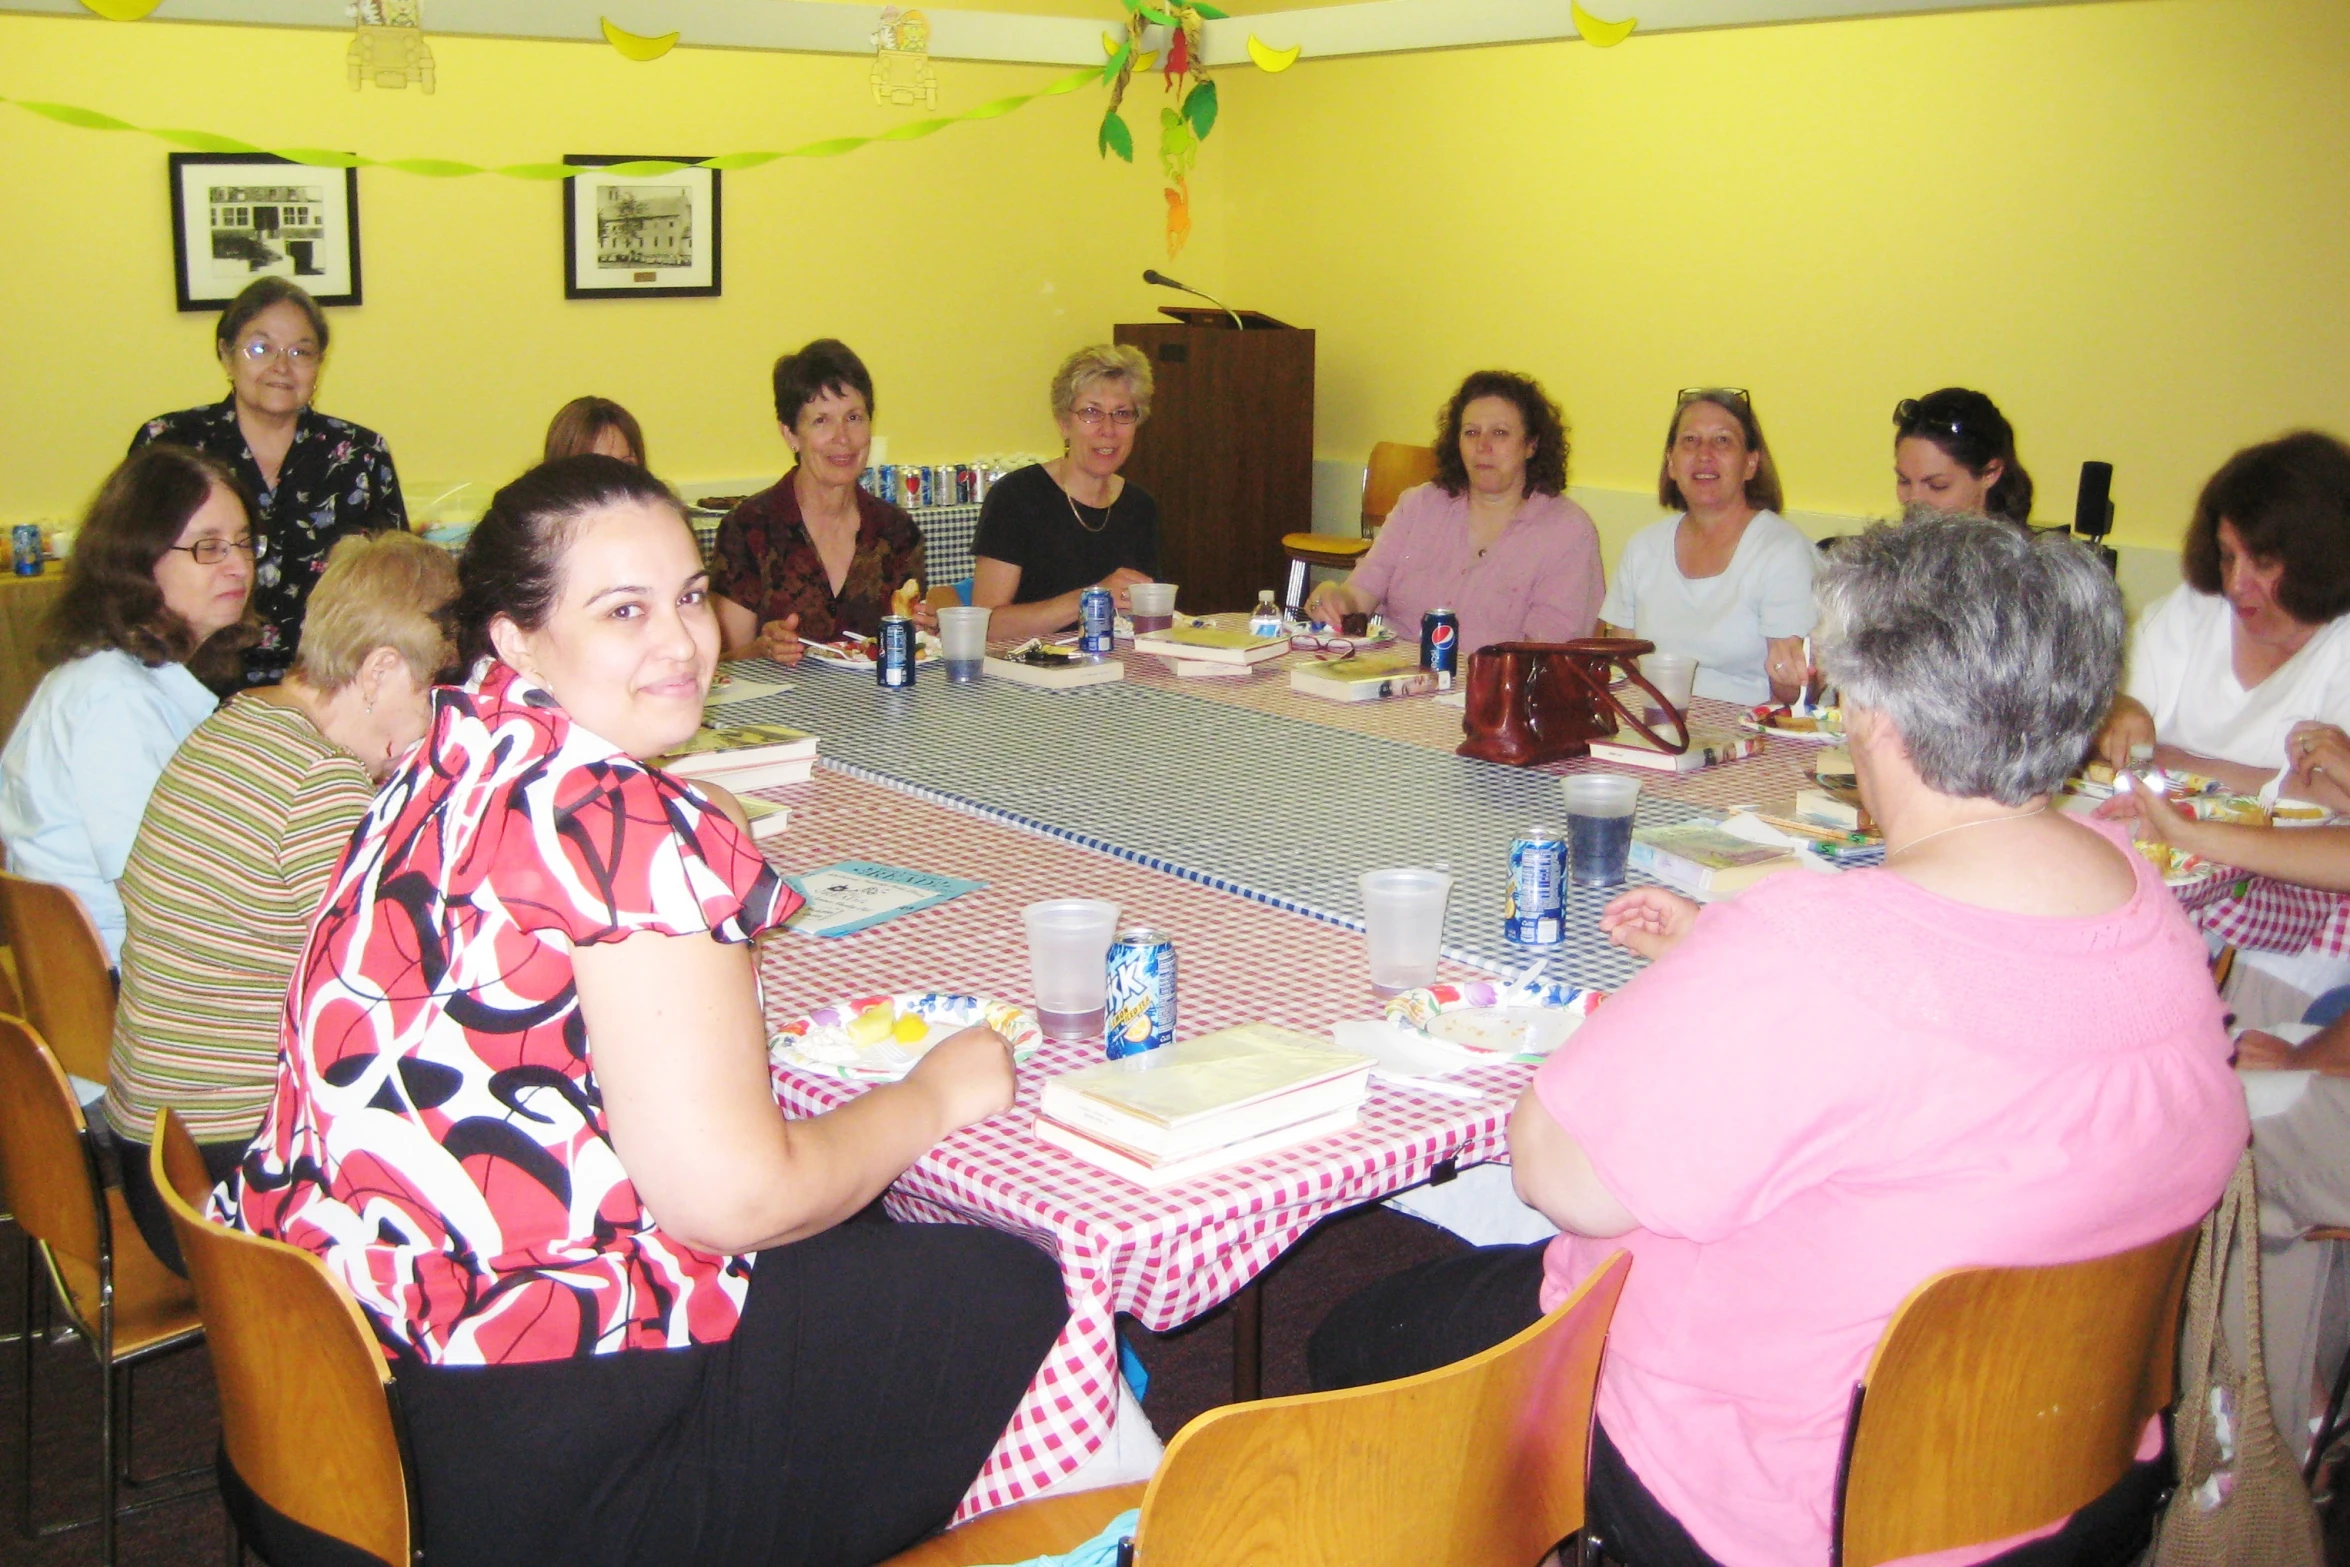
1228	451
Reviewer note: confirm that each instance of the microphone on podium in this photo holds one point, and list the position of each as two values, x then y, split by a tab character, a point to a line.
1158	279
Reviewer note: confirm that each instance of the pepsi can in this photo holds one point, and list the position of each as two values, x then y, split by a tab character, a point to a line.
1097	621
893	666
1140	1004
885	483
24	548
1440	645
966	485
1534	909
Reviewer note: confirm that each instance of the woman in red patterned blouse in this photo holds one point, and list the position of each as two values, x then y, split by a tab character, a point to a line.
523	1112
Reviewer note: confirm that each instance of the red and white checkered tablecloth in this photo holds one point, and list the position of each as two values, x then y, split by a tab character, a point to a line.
2270	916
1163	1257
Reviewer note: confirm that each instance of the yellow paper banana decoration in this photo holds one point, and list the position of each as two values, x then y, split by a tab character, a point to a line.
122	10
1270	59
634	45
1599	34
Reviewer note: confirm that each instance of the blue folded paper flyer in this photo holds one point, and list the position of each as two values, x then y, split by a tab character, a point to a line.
857	895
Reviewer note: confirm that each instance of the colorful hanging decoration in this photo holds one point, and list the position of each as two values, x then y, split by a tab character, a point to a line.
1270	60
1184	124
636	46
389	48
1599	34
901	60
120	10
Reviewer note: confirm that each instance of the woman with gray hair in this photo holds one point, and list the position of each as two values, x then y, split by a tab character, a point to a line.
1050	531
2012	1056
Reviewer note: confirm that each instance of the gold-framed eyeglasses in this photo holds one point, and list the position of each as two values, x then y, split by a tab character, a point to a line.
260	350
212	551
1094	418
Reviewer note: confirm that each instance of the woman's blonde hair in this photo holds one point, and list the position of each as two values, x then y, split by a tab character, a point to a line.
379	590
1103	362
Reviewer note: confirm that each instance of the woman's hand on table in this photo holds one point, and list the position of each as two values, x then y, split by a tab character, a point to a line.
2317	758
2129	724
780	640
1329	604
924	615
1118	582
1648	920
969	1077
2154	816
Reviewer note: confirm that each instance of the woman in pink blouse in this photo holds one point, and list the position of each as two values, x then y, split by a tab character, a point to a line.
2002	1048
1493	537
523	1112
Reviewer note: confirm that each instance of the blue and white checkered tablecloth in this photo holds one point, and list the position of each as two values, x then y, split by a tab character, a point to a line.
947	532
1247	802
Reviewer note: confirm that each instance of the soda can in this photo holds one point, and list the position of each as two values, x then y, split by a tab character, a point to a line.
1440	645
24	548
1534	909
909	489
885	482
1140	1006
966	485
982	480
950	486
893	665
1097	621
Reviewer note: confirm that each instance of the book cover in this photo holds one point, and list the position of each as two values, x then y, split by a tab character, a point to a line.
1212	644
1159	1173
1703	861
1706	749
768	817
1208	1075
1057	675
1365	677
745	756
1154	1140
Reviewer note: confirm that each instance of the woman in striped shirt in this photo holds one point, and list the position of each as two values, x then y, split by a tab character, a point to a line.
234	851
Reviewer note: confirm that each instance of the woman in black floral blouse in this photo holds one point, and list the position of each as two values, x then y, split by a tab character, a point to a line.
317	478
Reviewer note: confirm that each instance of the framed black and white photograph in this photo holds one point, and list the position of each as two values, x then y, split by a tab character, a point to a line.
640	236
236	216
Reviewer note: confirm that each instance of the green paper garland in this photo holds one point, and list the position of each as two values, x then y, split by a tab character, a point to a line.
443	168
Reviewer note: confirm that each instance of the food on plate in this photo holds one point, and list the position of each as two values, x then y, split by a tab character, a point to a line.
2099	773
902	602
875	1024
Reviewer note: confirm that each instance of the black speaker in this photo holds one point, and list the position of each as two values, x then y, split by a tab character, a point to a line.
2093	510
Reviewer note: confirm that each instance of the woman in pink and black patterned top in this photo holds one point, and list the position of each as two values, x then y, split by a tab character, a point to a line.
523	1113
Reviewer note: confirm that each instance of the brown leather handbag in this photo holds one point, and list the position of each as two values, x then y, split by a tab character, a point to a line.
1536	702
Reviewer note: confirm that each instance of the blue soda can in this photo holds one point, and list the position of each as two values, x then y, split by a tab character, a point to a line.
24	547
885	482
1440	645
1534	910
1140	1011
966	485
893	669
1097	621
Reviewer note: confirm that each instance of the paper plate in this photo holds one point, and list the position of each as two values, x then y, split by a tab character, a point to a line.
819	1044
848	654
1470	1016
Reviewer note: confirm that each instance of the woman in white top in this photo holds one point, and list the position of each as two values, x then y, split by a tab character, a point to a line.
1727	580
155	593
2255	640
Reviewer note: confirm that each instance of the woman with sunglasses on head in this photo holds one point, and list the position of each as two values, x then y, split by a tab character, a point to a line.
1492	536
155	598
315	479
1726	580
1954	452
595	424
1054	529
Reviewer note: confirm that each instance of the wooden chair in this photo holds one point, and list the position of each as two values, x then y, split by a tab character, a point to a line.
1393	469
1481	1461
126	1306
2003	1399
309	1415
62	968
1308	550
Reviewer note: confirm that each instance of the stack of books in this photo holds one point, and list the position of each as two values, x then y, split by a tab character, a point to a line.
748	756
1229	649
1221	1099
1701	860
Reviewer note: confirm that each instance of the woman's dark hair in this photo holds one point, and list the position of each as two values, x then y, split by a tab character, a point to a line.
2289	500
513	563
579	423
1762	491
826	365
1968	428
258	296
111	598
1546	427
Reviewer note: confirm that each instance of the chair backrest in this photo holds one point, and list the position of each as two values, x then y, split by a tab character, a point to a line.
62	969
46	1173
1480	1461
306	1400
2004	1399
1393	469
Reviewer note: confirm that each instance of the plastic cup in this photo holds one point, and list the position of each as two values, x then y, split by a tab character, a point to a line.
1599	827
1674	674
1153	606
962	633
1403	917
1068	959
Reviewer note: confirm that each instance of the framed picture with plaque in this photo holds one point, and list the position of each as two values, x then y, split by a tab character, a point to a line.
640	236
236	216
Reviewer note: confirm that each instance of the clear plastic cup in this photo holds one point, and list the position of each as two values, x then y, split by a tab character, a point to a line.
1153	606
962	634
1674	674
1068	959
1600	807
1403	917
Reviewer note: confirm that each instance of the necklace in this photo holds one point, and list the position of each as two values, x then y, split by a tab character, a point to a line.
1090	527
1983	821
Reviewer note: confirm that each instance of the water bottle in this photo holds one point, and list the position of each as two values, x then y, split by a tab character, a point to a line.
1265	621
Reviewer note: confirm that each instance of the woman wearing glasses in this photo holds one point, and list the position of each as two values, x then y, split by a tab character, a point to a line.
1725	580
1493	536
154	597
1049	532
317	479
1954	452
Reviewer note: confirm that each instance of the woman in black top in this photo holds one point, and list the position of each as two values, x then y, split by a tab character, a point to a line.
317	479
1049	532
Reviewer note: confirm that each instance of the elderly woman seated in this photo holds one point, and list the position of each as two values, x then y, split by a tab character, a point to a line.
2001	1048
232	857
523	1112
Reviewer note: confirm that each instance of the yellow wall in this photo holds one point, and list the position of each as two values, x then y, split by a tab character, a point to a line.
962	266
2125	221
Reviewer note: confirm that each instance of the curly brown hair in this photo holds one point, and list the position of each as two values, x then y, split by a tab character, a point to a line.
111	598
2289	500
1546	428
